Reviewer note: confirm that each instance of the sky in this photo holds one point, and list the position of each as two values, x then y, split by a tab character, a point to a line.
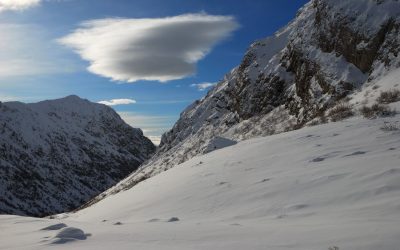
147	59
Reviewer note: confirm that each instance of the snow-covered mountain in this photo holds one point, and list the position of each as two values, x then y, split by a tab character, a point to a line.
327	187
332	48
56	155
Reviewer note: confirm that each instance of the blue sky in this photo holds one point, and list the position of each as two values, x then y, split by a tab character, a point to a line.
53	48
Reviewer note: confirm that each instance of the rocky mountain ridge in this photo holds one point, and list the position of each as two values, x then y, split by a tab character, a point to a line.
331	49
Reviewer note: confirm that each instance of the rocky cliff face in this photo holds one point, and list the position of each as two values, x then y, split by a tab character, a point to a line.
56	155
331	49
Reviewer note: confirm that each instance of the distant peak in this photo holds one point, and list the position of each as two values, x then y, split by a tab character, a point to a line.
68	100
72	97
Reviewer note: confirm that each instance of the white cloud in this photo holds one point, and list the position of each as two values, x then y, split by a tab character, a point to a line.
17	5
203	86
5	97
159	49
8	98
27	49
153	126
156	139
114	102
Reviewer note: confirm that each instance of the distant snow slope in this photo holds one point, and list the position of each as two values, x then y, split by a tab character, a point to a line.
336	184
55	155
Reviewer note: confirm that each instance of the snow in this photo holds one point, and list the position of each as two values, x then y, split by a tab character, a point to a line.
369	93
70	234
218	142
367	13
52	152
337	68
54	227
315	188
335	184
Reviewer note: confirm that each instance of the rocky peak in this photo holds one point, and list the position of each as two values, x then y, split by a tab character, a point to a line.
57	154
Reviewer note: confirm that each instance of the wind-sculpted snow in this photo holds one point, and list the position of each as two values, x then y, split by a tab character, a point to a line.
262	193
331	50
56	155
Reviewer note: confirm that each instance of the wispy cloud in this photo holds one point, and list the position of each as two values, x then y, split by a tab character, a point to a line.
203	86
153	126
114	102
23	97
17	5
160	49
27	49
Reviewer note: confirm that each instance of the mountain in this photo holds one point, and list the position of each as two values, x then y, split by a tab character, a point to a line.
321	96
56	155
331	50
316	188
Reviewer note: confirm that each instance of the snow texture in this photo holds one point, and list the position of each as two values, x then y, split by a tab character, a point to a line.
218	143
330	185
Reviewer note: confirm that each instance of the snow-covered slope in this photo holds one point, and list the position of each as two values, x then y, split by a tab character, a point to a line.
55	155
333	48
336	184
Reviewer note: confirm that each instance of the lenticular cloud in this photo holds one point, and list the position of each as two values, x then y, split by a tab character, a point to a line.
160	49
